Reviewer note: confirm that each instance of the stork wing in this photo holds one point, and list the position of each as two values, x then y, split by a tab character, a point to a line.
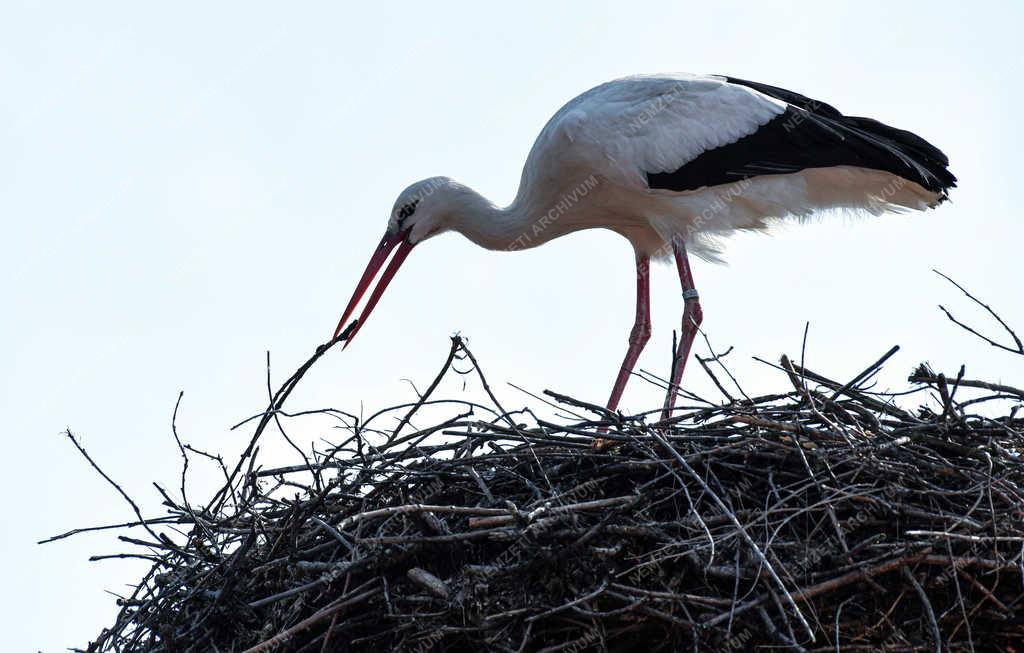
658	123
686	132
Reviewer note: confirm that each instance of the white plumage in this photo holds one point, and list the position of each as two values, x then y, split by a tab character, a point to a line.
653	123
627	128
672	163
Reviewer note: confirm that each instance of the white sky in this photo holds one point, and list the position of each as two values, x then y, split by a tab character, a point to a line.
184	187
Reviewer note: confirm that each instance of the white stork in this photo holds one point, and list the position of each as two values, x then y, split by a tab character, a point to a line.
671	162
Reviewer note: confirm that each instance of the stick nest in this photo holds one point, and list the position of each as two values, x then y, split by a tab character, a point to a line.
823	518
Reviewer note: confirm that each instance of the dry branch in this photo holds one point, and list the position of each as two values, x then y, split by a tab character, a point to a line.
827	517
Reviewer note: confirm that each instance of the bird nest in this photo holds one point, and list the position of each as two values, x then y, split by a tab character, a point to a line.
824	518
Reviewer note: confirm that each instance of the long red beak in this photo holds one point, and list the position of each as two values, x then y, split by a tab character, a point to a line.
387	243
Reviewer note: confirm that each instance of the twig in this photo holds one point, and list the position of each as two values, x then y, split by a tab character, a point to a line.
1018	347
142	521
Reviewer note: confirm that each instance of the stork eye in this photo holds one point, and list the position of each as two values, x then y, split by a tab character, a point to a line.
407	209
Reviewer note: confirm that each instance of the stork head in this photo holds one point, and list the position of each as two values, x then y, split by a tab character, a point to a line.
422	210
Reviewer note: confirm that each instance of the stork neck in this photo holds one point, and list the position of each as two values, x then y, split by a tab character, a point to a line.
530	220
489	225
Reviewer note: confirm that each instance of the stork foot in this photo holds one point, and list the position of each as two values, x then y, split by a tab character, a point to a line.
601	444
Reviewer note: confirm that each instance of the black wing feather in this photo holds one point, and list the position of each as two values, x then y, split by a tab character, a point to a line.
812	134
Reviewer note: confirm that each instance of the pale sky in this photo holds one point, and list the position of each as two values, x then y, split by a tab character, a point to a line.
185	186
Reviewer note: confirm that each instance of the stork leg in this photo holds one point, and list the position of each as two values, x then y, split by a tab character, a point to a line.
641	331
692	317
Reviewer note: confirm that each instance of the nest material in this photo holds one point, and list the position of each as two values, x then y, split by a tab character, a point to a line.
823	518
